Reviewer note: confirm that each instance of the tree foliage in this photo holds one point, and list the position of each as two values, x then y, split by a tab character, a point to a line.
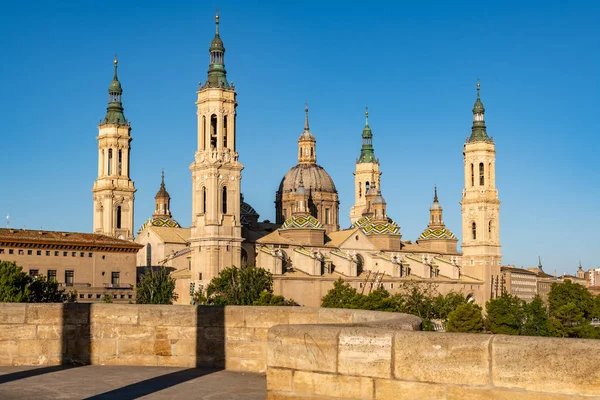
505	314
570	309
17	286
243	286
466	318
535	321
156	287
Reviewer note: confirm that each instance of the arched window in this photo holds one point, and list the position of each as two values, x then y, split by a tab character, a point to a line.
213	131
360	263
204	132
359	190
474	230
224	200
490	229
481	174
119	162
311	151
204	200
472	175
118	217
367	187
149	255
109	169
225	131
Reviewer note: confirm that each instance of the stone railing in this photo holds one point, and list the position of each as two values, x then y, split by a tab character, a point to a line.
336	362
234	338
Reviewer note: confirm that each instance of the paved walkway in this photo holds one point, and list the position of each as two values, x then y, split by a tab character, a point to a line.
108	382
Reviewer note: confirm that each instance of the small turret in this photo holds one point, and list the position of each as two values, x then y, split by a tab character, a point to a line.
114	112
367	153
478	131
163	200
307	144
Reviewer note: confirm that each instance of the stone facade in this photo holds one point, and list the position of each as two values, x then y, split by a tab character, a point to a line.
113	189
93	265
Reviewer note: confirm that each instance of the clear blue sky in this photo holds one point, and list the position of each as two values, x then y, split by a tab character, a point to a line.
415	65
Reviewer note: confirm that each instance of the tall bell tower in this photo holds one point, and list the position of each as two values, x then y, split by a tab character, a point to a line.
480	204
366	174
113	189
216	174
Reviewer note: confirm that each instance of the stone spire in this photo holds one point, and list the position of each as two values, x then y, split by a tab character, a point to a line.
114	112
307	144
367	154
163	200
478	132
217	76
435	212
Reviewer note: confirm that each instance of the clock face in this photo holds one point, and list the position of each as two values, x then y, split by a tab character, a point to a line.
121	237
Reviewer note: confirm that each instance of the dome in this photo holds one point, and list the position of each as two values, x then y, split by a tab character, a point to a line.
302	222
431	233
314	179
160	221
435	206
377	228
247	209
306	135
216	44
379	199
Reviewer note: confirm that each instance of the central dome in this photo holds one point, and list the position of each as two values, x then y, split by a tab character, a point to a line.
314	178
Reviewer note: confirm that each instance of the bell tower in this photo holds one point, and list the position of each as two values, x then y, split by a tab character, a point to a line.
216	235
113	189
366	174
480	204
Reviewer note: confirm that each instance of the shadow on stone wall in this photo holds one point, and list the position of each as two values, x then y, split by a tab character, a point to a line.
76	346
210	337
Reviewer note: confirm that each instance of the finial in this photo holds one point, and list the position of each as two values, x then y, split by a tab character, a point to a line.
435	198
367	115
116	63
539	261
217	23
478	87
163	176
306	121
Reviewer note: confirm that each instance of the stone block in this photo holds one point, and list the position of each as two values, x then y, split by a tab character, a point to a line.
17	332
303	347
30	360
335	316
76	313
279	379
214	333
257	365
235	316
293	396
177	361
162	347
78	331
386	389
266	317
339	386
237	334
39	347
132	360
114	331
458	358
133	347
114	314
47	314
210	316
167	315
551	365
460	393
12	313
246	349
184	347
178	332
8	348
103	347
365	352
49	331
303	315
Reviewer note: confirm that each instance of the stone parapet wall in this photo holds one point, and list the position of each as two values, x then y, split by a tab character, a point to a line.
234	338
336	362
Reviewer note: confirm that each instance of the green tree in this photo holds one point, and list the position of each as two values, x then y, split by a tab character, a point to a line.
570	308
535	318
444	305
14	283
156	287
269	299
466	318
43	290
505	314
242	286
107	298
342	295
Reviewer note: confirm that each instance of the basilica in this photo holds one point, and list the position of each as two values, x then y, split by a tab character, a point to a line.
305	249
